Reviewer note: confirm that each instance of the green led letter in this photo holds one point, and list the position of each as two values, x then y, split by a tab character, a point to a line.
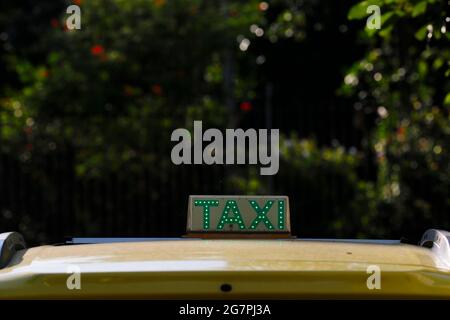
261	214
281	214
225	219
206	204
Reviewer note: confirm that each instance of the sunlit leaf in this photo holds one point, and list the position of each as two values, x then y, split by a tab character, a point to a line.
419	8
421	33
386	32
358	11
447	100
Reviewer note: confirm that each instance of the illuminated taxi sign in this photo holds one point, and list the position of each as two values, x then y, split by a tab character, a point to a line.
238	215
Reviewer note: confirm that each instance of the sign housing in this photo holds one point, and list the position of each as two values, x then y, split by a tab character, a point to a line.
238	216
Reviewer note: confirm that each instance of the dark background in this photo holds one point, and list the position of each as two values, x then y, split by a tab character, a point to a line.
86	115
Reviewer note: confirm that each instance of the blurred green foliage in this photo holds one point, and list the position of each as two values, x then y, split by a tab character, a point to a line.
105	93
404	76
321	178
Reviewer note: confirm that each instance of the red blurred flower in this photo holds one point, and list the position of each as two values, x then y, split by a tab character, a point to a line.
194	10
159	3
54	23
97	50
28	131
129	90
233	13
77	2
157	89
44	73
401	134
246	106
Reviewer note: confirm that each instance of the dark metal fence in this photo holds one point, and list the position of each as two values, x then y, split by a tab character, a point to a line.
52	202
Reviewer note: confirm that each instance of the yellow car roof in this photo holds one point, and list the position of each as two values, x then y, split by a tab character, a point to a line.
252	268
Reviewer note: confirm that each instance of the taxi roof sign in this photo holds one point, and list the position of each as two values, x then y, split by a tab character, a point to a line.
238	216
